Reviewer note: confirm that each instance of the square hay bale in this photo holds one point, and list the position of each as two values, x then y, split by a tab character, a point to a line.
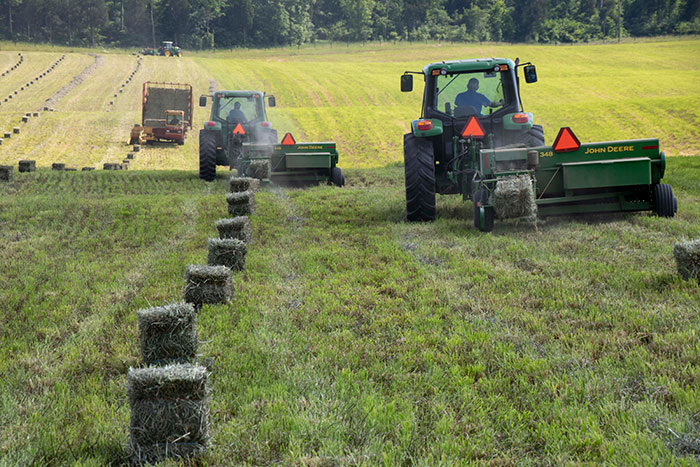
238	184
7	134
25	119
688	259
130	155
6	173
27	166
137	148
87	169
168	334
169	412
229	252
15	130
208	284
58	166
236	227
1	140
35	114
112	166
259	169
514	198
241	204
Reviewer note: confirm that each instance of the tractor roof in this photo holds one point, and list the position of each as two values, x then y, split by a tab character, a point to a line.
239	93
468	65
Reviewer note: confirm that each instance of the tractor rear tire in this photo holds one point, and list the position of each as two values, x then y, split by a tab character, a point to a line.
337	176
536	136
419	169
665	204
207	155
481	197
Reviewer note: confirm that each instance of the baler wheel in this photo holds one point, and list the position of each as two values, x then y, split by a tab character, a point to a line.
207	155
419	169
665	204
337	176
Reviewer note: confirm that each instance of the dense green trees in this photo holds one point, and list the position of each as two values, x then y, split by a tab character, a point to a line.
205	24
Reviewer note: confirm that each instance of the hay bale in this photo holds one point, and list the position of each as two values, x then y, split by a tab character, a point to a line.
15	130
7	135
35	114
244	184
237	227
25	119
112	166
27	166
130	155
87	169
137	148
6	173
229	252
688	259
241	204
514	197
168	334
208	284
259	169
58	166
169	412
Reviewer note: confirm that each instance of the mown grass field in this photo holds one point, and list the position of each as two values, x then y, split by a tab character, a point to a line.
354	337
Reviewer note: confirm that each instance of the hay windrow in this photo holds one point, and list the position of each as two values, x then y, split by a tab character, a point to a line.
687	256
168	334
259	169
238	184
514	198
241	204
236	227
208	284
229	252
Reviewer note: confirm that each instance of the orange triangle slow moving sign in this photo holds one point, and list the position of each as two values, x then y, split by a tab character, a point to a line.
566	141
288	140
473	128
239	130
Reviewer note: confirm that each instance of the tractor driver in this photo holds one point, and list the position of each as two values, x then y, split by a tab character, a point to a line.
236	114
476	100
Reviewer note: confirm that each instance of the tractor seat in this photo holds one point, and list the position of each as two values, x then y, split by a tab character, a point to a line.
465	111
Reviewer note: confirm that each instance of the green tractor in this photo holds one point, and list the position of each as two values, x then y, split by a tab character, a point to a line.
237	117
474	139
167	49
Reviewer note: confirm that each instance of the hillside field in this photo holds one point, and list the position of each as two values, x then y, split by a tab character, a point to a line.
354	338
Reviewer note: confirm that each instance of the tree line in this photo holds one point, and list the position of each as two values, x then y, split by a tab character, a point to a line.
207	24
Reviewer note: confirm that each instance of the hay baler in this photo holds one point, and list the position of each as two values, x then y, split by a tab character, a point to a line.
166	113
292	163
500	162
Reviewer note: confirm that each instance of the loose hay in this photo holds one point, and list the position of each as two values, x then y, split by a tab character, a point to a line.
688	259
514	198
239	184
168	334
6	173
229	252
169	412
27	166
208	284
241	204
258	169
237	227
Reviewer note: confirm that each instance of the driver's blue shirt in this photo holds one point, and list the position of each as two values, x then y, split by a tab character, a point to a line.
236	116
472	99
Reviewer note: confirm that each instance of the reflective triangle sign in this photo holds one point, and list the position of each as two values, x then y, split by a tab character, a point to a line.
566	141
239	130
288	140
473	128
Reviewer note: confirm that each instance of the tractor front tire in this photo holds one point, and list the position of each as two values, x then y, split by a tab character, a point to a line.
665	204
337	176
207	155
419	169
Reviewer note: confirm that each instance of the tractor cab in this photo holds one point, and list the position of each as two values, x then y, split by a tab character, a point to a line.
174	118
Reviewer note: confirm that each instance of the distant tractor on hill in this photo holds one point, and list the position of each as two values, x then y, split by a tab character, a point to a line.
167	49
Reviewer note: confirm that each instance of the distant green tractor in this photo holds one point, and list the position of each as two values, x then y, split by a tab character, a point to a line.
237	117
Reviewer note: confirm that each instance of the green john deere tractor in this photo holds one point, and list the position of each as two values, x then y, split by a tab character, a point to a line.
237	117
474	139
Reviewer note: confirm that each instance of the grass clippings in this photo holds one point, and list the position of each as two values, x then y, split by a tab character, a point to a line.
236	227
229	252
168	334
208	284
687	256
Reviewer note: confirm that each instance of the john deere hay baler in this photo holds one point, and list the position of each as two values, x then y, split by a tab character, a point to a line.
500	162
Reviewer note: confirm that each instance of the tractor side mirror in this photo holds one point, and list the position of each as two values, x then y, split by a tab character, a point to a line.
406	83
530	74
202	101
271	101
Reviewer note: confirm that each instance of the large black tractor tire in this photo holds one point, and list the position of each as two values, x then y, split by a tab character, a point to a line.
535	136
419	167
207	155
337	177
665	204
483	216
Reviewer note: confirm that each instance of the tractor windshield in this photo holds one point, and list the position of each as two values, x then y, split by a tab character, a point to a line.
241	109
471	93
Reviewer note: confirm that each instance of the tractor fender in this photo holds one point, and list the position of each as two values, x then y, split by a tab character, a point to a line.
509	124
434	130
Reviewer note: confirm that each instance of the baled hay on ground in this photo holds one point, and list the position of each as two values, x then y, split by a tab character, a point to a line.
6	173
229	252
169	412
259	169
112	166
688	259
27	166
241	204
236	227
238	184
514	197
168	334
58	166
208	284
